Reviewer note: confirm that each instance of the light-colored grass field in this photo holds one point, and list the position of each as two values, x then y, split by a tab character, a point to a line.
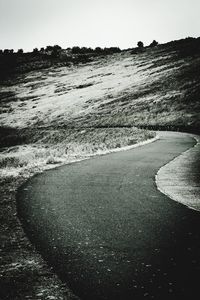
55	147
159	86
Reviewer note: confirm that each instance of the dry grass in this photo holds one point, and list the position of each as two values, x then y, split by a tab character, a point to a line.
58	146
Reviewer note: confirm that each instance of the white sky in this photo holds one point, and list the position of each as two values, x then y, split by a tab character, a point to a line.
35	23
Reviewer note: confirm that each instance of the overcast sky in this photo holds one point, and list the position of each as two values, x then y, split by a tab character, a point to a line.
35	23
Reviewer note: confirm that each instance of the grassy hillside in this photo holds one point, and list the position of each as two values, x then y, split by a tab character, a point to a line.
157	86
57	110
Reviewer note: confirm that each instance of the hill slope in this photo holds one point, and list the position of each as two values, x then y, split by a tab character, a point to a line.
84	105
159	86
57	113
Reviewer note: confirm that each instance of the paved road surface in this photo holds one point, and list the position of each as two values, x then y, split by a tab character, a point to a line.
108	231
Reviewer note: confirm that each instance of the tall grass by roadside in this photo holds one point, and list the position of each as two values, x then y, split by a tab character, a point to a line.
47	148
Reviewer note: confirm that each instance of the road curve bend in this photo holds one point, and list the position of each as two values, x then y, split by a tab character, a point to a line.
107	230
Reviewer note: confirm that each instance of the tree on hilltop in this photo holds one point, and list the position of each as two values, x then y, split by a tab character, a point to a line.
49	48
153	44
98	49
56	51
35	50
140	44
20	51
76	50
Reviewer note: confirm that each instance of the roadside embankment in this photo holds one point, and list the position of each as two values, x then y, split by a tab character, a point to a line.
180	178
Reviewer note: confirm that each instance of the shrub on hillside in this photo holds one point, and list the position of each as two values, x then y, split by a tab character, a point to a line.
8	51
153	44
140	44
76	50
35	51
98	50
20	51
112	50
56	51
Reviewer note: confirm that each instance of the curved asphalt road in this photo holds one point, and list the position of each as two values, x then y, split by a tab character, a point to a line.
107	230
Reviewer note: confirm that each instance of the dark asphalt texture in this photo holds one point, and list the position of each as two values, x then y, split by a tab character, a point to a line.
109	233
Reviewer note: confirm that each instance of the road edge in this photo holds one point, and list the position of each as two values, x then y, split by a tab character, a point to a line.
164	179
